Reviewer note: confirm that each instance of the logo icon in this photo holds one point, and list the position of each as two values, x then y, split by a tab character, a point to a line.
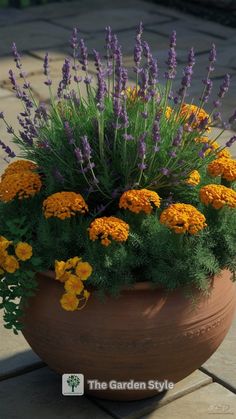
72	384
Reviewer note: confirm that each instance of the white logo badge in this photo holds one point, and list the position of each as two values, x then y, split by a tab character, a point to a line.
72	384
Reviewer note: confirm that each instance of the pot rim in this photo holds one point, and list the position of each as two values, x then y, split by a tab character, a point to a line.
138	286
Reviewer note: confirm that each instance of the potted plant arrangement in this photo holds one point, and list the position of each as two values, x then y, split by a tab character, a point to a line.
117	247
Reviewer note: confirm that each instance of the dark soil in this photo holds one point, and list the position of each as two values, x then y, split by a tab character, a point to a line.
205	11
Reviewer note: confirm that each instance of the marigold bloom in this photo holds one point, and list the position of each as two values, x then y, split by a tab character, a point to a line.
10	264
19	185
168	112
83	270
23	251
188	109
224	167
72	262
194	178
132	93
183	218
108	227
4	243
218	196
74	285
60	269
18	167
69	302
64	205
140	200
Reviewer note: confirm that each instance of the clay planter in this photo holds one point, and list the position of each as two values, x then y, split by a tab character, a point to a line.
143	335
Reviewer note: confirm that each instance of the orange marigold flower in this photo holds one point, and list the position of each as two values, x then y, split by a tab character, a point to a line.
194	178
19	185
4	243
19	166
69	302
183	218
224	167
83	270
10	264
108	227
23	251
64	205
218	196
200	114
74	285
140	200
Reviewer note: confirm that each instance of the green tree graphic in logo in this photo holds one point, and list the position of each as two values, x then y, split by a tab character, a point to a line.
73	381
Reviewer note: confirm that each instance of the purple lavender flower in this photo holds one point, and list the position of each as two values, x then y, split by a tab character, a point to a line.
16	55
232	119
224	86
212	58
203	124
79	155
178	138
138	49
187	74
171	62
7	150
128	137
66	77
86	148
231	141
142	150
156	133
46	64
165	171
74	39
202	152
216	116
207	91
83	55
101	90
124	116
172	154
69	133
1	115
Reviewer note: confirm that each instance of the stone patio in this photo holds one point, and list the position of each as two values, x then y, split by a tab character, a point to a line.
28	389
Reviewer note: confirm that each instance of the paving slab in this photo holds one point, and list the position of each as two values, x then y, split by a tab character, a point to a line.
118	18
30	64
222	363
32	35
133	410
16	357
38	395
210	401
10	16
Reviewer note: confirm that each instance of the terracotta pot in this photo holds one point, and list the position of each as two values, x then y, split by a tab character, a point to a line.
145	334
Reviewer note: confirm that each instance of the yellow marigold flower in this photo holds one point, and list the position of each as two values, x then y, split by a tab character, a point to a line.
83	270
72	262
140	200
200	114
10	264
224	167
69	302
74	285
64	205
194	178
19	185
183	218
168	112
4	243
18	167
23	251
108	227
132	93
218	196
60	271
